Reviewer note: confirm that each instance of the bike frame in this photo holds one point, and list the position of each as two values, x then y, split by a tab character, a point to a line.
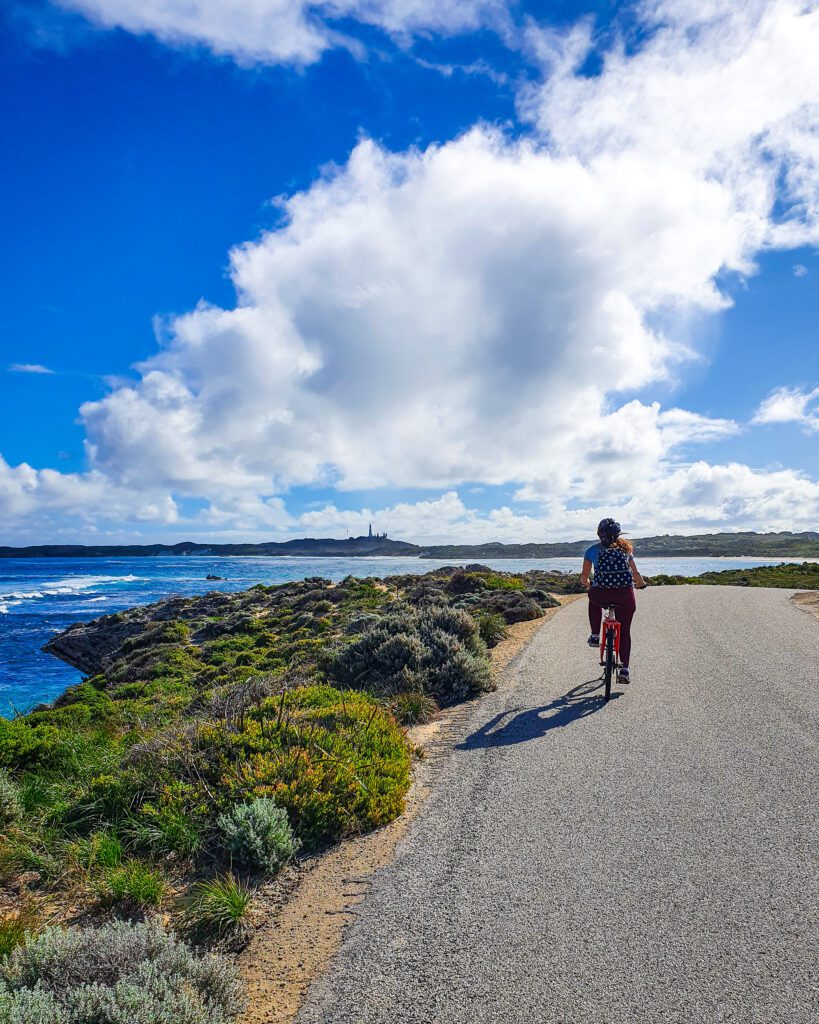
609	623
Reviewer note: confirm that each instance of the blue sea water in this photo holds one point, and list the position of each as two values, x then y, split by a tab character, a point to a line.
42	596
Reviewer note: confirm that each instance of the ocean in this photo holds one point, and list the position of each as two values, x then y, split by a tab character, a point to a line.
42	596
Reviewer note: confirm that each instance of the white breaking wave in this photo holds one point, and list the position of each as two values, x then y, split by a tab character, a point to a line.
53	588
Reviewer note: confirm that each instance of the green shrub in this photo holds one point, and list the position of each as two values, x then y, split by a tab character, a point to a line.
413	708
336	761
174	822
492	628
134	884
119	973
23	744
11	806
215	908
497	582
258	835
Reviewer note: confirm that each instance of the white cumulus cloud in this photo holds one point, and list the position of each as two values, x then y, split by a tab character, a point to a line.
791	405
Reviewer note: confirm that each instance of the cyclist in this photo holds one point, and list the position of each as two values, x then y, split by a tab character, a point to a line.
612	585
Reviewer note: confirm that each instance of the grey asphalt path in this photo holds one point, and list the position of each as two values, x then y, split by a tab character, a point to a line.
656	859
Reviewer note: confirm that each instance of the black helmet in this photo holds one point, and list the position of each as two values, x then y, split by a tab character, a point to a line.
608	529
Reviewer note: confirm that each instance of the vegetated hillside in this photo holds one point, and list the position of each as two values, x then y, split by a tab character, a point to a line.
790	575
309	546
762	545
215	736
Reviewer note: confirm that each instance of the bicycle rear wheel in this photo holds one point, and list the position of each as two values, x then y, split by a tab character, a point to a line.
608	671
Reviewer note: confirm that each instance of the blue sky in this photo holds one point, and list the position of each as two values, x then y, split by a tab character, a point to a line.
481	295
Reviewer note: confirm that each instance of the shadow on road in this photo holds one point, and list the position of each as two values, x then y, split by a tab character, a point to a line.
531	723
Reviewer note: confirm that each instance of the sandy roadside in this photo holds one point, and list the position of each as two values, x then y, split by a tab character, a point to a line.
808	601
300	917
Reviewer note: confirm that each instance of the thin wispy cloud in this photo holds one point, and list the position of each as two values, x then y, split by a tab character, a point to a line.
29	368
294	32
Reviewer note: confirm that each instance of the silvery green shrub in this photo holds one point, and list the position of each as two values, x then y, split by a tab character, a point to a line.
454	621
119	973
29	1006
258	834
436	650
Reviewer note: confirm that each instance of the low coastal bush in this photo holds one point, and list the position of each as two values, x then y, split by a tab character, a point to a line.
436	650
790	575
336	761
24	744
120	973
258	835
216	908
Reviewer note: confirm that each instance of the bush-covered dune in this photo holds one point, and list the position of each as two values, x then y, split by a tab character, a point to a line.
216	736
804	576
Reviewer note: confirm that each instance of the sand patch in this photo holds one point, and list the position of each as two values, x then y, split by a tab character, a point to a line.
808	601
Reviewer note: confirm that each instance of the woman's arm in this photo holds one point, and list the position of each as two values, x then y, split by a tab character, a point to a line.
584	575
635	572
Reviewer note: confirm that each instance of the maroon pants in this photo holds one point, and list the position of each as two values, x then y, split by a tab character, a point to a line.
622	600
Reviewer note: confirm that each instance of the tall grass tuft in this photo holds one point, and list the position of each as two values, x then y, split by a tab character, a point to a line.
413	708
493	628
216	908
11	805
133	884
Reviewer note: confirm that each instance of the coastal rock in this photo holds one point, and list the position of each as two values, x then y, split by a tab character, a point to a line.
93	647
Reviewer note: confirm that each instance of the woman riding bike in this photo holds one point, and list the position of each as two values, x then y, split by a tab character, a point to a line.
612	586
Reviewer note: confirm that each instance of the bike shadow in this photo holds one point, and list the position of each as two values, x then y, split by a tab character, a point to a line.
532	723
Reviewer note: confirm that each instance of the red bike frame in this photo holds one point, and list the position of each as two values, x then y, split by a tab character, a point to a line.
610	624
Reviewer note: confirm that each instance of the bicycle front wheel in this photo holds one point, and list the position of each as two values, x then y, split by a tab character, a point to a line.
608	672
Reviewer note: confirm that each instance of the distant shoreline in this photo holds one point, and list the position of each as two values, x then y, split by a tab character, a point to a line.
784	545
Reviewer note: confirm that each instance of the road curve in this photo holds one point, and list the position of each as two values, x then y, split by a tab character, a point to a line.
653	859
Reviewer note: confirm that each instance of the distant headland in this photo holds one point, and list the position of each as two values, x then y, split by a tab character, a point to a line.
713	545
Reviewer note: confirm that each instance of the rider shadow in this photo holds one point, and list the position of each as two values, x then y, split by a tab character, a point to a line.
530	724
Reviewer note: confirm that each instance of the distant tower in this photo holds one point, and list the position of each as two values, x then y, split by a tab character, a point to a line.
370	534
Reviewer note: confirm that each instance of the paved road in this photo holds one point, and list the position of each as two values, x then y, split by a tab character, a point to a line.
656	859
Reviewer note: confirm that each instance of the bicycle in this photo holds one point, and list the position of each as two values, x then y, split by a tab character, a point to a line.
609	648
